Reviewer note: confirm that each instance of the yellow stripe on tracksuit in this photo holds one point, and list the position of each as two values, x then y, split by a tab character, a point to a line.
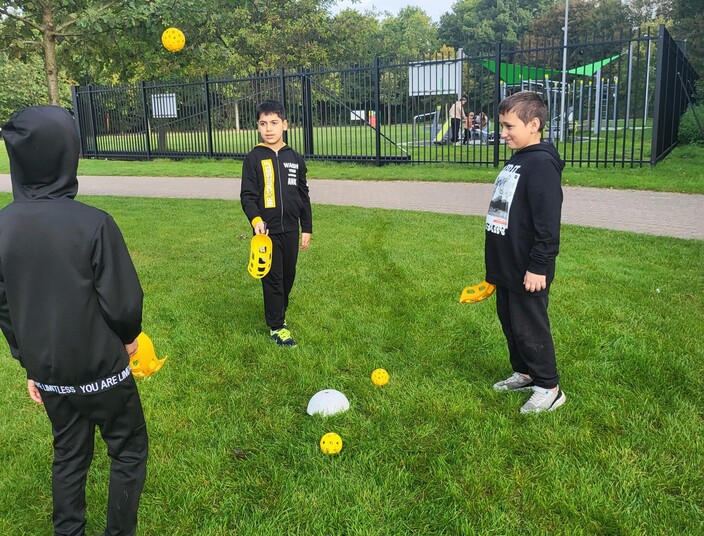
269	178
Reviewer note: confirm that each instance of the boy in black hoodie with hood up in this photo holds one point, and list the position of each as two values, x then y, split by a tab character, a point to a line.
71	310
522	241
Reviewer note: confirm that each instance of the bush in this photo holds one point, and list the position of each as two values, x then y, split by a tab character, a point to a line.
692	131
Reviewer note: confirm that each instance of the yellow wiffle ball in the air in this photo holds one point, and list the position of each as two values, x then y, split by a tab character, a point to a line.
331	443
173	39
380	377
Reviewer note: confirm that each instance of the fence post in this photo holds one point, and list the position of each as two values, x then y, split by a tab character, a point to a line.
377	105
93	120
497	100
307	113
145	119
207	115
77	118
282	92
657	137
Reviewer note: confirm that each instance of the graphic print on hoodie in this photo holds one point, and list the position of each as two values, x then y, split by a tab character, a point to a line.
523	220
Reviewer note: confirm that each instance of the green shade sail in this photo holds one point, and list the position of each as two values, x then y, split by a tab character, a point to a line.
514	74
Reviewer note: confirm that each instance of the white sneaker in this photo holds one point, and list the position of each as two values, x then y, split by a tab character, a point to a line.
516	382
544	400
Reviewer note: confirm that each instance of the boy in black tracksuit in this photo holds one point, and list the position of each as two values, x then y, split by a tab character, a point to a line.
522	241
71	309
275	197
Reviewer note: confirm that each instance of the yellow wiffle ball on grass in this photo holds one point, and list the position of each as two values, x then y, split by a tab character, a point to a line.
380	377
173	39
331	443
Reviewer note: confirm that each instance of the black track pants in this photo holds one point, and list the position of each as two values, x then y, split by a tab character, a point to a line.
277	284
455	125
525	323
118	414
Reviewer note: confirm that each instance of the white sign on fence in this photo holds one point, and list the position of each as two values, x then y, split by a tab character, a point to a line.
435	78
358	115
164	105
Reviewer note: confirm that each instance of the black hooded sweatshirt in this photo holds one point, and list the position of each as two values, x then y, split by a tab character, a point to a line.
523	222
70	297
274	188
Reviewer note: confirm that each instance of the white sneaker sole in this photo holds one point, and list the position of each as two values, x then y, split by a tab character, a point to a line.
561	400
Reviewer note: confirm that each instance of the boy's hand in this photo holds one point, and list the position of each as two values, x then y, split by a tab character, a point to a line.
34	393
534	282
132	348
305	241
260	228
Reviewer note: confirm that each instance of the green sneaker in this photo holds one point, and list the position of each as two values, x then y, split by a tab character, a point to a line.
283	337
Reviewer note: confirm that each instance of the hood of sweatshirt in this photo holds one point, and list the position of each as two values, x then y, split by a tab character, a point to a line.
43	147
544	147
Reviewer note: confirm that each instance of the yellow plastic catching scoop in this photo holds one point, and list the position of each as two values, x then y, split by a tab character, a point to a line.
145	363
259	256
477	293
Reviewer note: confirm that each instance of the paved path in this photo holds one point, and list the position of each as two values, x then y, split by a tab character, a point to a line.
656	213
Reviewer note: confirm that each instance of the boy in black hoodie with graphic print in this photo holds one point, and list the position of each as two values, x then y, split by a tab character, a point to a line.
71	309
522	241
275	198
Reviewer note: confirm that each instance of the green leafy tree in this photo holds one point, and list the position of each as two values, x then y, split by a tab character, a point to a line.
410	35
477	25
22	84
43	24
687	23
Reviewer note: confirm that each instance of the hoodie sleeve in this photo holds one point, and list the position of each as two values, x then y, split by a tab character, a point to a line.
6	323
249	192
306	211
545	202
116	281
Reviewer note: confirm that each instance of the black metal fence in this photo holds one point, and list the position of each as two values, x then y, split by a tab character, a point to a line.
617	103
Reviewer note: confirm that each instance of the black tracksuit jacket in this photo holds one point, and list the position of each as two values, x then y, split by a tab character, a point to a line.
274	188
523	222
70	297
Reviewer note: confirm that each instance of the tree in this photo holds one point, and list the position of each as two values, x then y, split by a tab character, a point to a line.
687	23
410	35
23	85
480	24
43	24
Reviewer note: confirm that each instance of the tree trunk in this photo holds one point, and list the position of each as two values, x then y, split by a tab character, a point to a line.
49	45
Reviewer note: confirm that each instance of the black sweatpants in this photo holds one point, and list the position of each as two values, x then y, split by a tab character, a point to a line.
525	323
277	284
455	125
118	414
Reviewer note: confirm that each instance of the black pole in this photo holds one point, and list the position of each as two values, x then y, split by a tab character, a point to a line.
377	104
497	100
77	119
145	119
282	92
307	113
209	126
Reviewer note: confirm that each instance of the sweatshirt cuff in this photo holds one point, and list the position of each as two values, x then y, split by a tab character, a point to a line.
256	220
539	269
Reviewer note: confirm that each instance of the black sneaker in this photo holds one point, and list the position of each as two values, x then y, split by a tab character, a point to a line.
283	337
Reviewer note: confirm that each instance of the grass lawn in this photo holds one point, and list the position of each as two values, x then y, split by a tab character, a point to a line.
436	451
679	172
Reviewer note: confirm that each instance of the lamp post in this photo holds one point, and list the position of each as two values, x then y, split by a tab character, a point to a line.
564	72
